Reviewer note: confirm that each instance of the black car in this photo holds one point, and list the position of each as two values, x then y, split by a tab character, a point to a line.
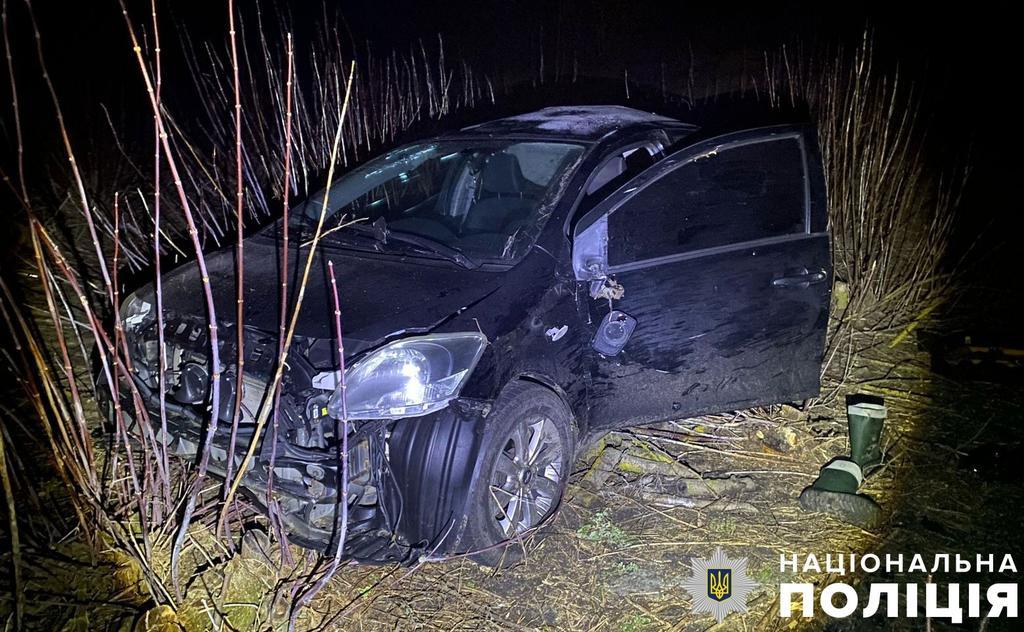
514	290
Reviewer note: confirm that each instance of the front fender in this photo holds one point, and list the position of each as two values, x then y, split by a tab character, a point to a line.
433	460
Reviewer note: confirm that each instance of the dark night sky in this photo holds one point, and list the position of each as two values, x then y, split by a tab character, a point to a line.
968	51
962	55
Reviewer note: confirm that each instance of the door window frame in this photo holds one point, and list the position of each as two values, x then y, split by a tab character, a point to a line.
590	239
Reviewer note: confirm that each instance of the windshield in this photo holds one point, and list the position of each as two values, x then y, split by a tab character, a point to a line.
485	199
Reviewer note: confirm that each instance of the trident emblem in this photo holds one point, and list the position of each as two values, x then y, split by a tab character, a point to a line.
719	583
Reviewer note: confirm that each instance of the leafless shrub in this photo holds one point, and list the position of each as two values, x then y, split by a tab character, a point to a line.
891	203
133	493
891	207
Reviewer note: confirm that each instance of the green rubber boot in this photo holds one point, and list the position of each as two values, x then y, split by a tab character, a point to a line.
835	492
865	423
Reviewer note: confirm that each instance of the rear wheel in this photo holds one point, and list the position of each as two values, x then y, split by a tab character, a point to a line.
527	454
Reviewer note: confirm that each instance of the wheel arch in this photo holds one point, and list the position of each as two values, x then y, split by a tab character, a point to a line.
552	385
436	464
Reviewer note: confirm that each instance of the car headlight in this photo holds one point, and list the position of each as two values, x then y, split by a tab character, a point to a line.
410	377
136	312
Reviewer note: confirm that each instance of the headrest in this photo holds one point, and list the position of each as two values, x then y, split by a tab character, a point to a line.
502	175
610	170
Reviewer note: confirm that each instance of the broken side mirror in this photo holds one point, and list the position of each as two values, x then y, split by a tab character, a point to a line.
590	250
613	332
590	258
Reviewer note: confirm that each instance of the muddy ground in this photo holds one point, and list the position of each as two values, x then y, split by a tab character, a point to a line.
640	507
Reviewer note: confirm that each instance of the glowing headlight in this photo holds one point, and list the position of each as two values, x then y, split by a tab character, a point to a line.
136	312
410	377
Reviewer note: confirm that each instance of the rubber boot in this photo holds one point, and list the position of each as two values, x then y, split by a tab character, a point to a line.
865	423
835	492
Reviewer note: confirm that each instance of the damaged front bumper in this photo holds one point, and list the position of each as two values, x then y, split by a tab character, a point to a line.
407	478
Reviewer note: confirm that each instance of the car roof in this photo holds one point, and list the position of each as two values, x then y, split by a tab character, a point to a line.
576	122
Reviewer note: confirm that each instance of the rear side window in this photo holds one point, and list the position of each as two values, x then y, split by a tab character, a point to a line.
742	193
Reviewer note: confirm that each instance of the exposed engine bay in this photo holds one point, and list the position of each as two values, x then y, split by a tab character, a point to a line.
301	440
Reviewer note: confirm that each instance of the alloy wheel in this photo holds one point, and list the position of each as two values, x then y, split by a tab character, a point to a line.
527	475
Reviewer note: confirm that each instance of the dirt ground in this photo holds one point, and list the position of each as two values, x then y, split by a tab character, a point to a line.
640	507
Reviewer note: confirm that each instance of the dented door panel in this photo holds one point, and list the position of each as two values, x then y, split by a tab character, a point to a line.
713	333
719	254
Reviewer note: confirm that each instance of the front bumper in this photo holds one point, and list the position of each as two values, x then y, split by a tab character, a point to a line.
408	479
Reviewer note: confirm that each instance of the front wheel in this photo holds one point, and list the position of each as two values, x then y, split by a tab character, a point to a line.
527	454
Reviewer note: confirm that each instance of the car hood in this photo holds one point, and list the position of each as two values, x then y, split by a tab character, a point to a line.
379	296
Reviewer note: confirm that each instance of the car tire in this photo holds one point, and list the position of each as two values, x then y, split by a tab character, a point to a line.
526	456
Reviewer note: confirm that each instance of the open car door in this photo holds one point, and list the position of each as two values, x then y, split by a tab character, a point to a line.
710	275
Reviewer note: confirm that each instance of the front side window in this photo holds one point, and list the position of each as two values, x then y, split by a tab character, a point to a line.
743	193
616	170
485	199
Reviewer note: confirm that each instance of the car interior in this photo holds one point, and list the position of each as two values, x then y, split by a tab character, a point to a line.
617	170
487	198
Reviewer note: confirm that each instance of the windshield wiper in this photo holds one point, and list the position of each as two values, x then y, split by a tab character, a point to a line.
380	231
435	246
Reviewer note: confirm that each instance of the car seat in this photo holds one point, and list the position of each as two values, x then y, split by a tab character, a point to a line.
505	196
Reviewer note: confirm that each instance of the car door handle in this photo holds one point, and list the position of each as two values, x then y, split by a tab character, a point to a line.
804	279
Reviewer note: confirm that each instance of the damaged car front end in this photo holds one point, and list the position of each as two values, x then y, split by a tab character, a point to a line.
394	391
